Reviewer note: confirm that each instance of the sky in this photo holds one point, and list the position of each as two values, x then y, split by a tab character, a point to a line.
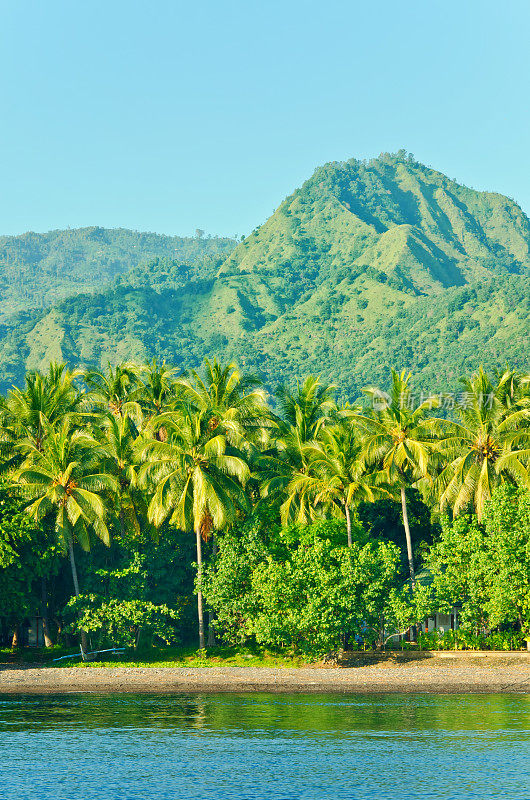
170	116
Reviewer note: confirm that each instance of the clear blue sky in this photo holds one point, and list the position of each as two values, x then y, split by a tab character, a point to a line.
168	116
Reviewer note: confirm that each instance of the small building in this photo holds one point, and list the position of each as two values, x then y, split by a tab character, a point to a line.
441	622
34	632
30	633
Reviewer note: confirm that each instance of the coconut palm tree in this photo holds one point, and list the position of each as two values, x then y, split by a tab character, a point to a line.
118	440
279	468
490	443
45	399
197	479
240	403
334	477
62	478
308	408
513	387
238	400
398	438
115	390
156	389
303	415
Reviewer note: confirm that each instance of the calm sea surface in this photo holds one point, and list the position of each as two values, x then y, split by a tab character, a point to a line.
275	747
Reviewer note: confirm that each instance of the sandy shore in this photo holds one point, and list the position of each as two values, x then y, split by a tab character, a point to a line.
443	674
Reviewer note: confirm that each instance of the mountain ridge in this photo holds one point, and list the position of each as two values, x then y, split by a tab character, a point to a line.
367	265
40	269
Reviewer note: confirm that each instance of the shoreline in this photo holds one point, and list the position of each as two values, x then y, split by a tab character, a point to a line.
442	674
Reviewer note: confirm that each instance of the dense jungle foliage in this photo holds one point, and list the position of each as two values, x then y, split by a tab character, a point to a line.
139	500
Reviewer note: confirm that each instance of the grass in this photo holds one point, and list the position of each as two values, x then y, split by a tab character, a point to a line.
158	657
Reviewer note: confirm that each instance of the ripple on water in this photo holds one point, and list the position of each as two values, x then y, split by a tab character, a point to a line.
276	747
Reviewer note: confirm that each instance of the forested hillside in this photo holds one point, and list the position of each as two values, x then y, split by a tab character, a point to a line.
367	265
39	269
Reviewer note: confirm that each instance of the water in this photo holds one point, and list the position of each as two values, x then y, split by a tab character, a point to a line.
275	747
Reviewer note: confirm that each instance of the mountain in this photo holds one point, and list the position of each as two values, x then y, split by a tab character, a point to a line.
423	230
367	265
40	269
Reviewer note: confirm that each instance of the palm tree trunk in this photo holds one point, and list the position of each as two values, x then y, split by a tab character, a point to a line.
122	519
44	614
348	523
199	588
211	615
73	567
407	536
84	638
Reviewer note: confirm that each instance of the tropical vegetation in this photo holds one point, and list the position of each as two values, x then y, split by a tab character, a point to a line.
141	505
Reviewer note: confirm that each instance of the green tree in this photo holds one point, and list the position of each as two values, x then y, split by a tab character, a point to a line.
198	480
64	480
487	446
228	579
406	608
486	566
399	438
115	390
114	622
156	389
119	456
300	588
307	409
238	400
382	519
284	460
28	558
333	477
46	399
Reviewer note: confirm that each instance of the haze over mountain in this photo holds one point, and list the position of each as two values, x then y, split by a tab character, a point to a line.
367	265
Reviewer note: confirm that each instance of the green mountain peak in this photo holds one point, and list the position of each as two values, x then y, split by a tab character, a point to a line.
368	264
395	215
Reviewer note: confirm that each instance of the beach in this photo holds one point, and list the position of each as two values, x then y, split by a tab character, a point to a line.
438	673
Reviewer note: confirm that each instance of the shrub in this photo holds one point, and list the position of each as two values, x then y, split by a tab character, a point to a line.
303	590
119	623
468	640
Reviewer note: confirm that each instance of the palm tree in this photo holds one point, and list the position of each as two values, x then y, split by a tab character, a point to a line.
197	477
156	390
62	479
118	452
335	476
307	409
116	390
512	387
282	470
45	399
398	438
303	416
238	400
490	443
